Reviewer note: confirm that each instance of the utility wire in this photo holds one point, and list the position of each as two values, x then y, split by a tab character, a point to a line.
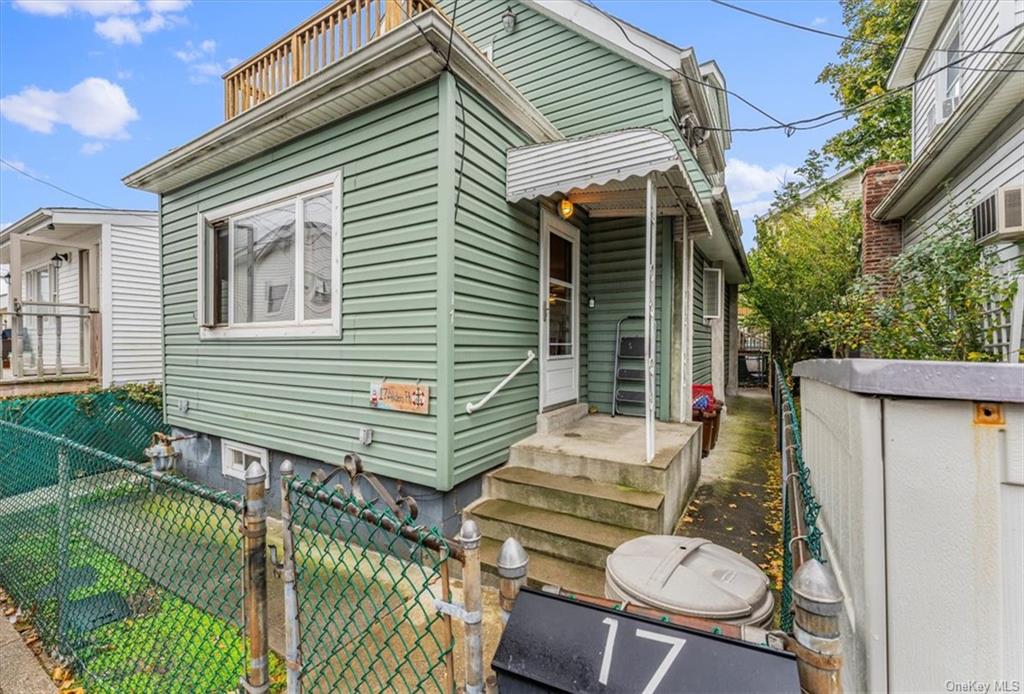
806	123
618	23
823	32
12	167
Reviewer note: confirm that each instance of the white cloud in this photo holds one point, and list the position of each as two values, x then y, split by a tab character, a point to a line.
95	8
191	52
122	21
751	182
124	74
165	6
94	107
752	187
818	21
91	148
121	30
202	66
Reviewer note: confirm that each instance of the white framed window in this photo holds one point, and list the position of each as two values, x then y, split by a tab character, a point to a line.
235	459
953	73
270	266
713	294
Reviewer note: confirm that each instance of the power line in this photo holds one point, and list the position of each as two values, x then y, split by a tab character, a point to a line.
12	167
21	171
810	123
625	34
823	32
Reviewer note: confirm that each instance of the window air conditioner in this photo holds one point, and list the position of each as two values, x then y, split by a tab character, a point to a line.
1010	213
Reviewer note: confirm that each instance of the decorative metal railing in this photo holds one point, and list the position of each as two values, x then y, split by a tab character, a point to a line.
324	39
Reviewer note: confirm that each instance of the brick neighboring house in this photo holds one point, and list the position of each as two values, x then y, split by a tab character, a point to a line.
964	61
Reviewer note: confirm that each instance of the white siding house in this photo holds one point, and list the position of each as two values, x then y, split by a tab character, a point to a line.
87	306
965	61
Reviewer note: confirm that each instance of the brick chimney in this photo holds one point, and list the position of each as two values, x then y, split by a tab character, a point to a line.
881	241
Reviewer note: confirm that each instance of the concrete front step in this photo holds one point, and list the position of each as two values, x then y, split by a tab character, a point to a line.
569	463
556	534
577	496
545	569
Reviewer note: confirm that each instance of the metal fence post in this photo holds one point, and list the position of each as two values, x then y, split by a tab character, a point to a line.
292	648
254	542
469	536
513	563
818	647
63	540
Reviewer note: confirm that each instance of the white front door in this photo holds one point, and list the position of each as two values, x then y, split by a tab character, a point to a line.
559	311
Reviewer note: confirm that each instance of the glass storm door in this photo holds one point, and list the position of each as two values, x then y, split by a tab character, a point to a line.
559	312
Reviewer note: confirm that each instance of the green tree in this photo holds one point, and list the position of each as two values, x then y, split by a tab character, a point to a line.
945	293
807	256
881	130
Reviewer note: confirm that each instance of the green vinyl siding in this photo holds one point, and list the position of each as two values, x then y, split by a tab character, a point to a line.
495	291
309	396
701	329
616	284
581	86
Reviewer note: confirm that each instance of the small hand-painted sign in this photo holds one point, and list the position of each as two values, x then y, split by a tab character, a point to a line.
554	644
401	397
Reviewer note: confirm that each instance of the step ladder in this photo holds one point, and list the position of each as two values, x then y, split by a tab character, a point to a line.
629	368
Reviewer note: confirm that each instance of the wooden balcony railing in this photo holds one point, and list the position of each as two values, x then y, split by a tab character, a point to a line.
333	33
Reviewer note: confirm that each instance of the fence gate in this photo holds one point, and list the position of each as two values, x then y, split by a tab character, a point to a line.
366	580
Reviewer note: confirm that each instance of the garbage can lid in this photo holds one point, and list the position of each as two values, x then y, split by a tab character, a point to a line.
689	575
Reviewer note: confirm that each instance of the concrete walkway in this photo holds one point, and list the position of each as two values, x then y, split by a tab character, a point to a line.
738	502
20	670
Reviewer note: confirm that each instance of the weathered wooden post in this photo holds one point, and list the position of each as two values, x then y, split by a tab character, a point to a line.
512	563
816	641
292	647
469	537
254	545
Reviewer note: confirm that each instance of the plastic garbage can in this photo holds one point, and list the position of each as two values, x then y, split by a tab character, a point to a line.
689	576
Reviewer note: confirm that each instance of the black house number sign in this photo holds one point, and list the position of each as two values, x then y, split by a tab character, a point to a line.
553	644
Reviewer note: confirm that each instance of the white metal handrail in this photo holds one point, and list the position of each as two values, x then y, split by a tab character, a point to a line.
473	407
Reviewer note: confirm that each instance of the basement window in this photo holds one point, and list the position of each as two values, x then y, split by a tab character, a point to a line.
271	264
235	459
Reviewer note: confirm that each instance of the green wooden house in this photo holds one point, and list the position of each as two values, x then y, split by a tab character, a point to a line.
418	244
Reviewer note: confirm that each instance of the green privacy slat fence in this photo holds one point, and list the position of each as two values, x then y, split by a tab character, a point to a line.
791	448
112	421
134	580
366	596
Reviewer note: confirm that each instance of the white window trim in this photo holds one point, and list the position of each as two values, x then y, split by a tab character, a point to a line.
278	329
227	447
721	294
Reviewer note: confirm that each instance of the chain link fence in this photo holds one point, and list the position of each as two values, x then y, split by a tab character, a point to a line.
131	577
118	421
367	579
801	536
143	581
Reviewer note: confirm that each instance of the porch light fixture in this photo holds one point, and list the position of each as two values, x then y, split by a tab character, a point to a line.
566	208
508	20
59	259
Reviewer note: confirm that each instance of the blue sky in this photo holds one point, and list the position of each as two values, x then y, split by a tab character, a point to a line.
92	89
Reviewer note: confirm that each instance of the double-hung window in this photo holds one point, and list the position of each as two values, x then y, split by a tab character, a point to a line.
953	71
270	266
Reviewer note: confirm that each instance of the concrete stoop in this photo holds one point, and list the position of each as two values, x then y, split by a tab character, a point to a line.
572	496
